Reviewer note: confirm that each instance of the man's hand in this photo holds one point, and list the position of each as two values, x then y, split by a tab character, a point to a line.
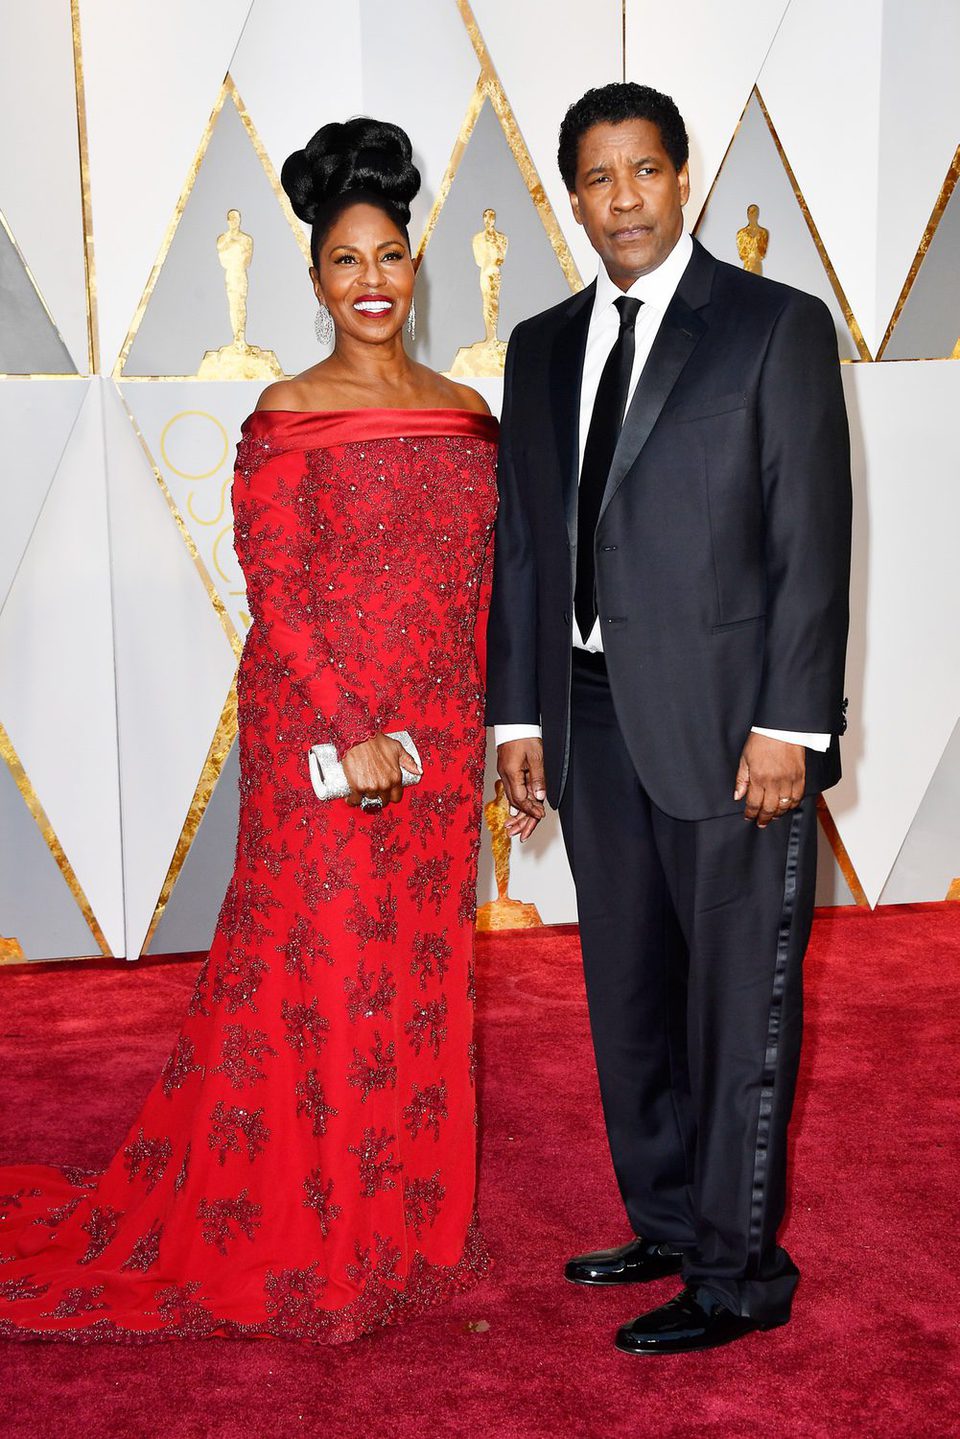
520	766
771	776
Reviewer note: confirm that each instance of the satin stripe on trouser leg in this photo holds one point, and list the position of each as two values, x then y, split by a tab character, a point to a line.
713	1109
744	898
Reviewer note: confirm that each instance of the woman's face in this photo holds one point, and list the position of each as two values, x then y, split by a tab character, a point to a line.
365	276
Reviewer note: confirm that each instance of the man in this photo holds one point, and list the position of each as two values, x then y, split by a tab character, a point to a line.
670	604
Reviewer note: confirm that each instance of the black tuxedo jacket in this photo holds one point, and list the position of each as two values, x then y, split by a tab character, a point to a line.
723	545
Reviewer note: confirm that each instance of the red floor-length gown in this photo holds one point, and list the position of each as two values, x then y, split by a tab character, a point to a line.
304	1166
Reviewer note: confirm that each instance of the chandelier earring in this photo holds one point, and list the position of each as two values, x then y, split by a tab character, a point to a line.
323	325
412	320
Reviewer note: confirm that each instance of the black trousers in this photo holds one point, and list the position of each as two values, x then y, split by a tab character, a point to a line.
693	935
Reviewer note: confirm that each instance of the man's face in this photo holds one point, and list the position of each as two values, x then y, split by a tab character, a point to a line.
628	198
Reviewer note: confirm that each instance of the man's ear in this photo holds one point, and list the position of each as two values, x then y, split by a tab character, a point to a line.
683	183
575	206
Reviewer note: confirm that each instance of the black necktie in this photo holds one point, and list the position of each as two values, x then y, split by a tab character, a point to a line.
602	439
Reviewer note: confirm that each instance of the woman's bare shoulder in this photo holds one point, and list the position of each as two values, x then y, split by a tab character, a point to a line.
470	399
451	394
310	390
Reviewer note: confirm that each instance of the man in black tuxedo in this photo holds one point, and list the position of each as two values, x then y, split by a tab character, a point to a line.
670	605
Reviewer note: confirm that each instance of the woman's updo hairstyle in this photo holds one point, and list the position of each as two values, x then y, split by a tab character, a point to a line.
361	160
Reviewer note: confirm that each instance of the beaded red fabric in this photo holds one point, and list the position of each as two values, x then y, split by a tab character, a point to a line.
304	1166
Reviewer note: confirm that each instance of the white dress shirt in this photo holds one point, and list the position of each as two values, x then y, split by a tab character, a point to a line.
655	290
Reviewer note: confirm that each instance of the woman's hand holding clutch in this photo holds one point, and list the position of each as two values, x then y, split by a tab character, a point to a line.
375	771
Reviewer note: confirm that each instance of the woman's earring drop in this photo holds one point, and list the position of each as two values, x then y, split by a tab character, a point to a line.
323	325
412	320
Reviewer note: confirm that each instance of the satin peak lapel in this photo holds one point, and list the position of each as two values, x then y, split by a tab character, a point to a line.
676	341
566	372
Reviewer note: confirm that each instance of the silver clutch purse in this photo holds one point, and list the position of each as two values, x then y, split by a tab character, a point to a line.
326	771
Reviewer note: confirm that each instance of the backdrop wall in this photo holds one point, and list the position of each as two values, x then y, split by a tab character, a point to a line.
133	129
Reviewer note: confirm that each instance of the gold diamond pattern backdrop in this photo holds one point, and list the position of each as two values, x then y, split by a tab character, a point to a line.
136	333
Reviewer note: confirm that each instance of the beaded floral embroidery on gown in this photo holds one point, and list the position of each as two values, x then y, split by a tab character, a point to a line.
304	1166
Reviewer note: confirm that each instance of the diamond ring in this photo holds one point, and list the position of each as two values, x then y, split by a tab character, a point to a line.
371	805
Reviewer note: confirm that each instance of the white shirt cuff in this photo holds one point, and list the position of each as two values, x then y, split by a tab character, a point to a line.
819	742
504	733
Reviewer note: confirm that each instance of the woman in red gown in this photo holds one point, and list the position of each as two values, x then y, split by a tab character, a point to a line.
304	1166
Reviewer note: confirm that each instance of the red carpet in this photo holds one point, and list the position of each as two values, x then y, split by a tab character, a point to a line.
872	1347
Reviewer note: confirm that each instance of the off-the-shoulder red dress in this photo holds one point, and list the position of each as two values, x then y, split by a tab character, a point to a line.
304	1166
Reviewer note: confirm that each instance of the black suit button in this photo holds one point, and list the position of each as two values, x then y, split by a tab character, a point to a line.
607	548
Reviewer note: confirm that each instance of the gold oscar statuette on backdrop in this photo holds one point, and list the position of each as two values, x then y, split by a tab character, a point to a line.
485	359
955	354
11	951
752	241
238	361
503	912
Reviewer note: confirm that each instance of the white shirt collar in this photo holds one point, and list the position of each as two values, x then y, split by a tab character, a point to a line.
655	289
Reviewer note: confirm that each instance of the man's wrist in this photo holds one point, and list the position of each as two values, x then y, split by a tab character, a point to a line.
819	742
505	733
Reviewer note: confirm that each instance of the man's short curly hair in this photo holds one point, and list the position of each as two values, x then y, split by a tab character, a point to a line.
611	105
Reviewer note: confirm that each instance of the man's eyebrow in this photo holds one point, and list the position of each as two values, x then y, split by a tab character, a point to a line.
641	160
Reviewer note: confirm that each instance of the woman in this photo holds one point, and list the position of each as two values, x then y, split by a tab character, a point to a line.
304	1166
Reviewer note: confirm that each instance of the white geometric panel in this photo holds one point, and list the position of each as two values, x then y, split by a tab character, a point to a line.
174	667
583	53
149	90
903	664
57	695
35	421
919	130
40	171
191	429
753	174
707	56
319	63
821	85
419	71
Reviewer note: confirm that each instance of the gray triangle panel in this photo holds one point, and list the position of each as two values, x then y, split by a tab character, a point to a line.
929	324
753	174
187	313
449	305
929	858
29	341
190	918
36	905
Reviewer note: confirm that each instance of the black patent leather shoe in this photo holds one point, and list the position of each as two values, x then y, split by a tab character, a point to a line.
683	1325
632	1263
